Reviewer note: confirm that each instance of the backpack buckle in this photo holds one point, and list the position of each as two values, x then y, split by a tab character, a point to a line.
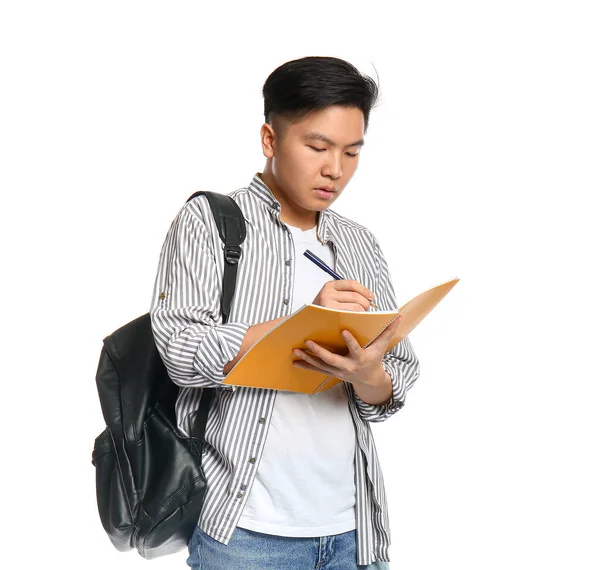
233	254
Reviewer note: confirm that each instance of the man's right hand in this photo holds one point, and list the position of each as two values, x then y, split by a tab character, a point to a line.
344	294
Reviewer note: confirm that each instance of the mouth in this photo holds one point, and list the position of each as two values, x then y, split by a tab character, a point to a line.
325	191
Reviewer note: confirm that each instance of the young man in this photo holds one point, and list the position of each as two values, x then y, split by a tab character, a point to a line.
293	479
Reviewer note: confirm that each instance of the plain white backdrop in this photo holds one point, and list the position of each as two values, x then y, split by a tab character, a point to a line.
481	162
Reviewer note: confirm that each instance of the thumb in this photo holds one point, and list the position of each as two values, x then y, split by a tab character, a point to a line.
389	331
395	324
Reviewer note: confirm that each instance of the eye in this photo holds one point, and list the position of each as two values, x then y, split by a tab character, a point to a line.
352	155
316	149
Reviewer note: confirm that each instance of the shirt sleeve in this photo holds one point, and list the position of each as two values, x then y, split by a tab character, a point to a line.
400	362
185	313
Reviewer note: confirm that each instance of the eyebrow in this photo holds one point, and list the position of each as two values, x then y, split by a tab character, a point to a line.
323	138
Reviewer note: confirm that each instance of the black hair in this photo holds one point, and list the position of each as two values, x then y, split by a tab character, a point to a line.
313	83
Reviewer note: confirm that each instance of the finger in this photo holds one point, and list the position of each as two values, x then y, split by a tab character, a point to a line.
388	332
307	366
396	322
391	329
328	358
352	344
309	359
349	297
350	301
352	285
353	307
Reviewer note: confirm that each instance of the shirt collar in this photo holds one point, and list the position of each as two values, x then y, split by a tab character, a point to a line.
263	192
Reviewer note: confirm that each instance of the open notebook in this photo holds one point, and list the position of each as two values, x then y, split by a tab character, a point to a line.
268	363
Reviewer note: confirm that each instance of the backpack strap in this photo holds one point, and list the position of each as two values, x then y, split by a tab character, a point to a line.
231	225
232	231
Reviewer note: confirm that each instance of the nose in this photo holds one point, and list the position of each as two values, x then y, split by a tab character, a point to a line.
333	166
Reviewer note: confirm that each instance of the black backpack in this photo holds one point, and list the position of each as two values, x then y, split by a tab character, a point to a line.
150	484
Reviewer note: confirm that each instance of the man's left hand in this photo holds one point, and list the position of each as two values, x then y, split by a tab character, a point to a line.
361	366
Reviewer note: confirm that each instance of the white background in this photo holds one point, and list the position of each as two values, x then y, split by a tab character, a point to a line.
481	162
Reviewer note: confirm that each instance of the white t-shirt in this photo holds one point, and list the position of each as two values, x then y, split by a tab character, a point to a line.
304	484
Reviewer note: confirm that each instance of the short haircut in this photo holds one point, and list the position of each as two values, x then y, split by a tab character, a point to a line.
301	86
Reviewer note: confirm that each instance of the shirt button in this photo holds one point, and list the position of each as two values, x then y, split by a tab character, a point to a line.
240	495
162	296
286	301
242	487
252	460
288	262
261	421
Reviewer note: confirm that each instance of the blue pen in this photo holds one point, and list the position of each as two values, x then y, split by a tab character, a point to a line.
320	263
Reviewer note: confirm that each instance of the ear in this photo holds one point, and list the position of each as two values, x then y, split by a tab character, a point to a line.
267	138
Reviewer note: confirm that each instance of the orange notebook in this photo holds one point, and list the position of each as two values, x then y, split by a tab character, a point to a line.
268	363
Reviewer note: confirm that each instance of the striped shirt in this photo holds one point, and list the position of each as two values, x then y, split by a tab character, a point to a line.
195	346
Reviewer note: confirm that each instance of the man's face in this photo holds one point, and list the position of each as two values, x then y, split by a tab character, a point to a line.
318	152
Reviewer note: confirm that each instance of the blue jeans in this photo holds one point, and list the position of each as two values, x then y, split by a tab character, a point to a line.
250	550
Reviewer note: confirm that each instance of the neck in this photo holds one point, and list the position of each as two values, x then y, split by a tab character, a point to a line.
289	214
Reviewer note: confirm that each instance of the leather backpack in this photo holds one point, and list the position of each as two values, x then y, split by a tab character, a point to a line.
150	485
